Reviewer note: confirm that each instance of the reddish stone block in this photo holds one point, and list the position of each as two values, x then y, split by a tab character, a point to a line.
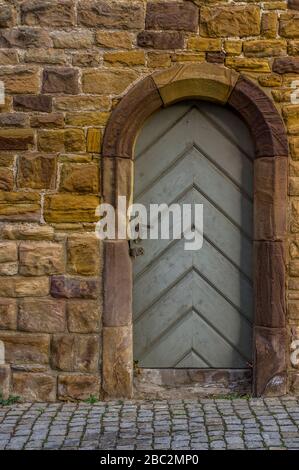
286	65
216	57
60	80
293	4
172	16
270	198
117	284
157	40
42	103
262	118
73	287
269	284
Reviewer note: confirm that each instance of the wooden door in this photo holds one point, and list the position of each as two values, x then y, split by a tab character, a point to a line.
194	309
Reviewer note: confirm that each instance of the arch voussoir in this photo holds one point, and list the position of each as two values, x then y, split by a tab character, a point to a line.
205	81
262	118
127	118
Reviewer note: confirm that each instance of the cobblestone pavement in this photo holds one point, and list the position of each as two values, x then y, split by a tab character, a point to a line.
173	424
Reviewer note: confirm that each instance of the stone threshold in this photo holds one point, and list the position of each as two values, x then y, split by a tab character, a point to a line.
191	383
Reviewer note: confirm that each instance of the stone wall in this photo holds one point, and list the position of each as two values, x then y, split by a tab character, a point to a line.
65	65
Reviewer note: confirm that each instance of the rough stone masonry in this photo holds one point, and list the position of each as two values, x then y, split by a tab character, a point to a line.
65	65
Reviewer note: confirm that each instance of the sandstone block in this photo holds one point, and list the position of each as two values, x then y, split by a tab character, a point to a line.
233	47
176	16
245	64
41	258
87	118
264	48
270	350
158	40
75	352
196	81
83	316
286	65
129	58
13	120
27	232
42	315
114	39
158	59
293	48
83	255
80	178
19	206
293	4
77	387
289	25
70	208
74	287
110	15
203	44
269	26
47	121
67	140
37	171
6	159
24	38
34	387
117	361
24	286
232	20
16	139
48	13
87	59
117	273
293	310
269	262
7	17
93	140
8	57
60	80
291	115
72	40
6	179
82	103
20	80
107	81
42	103
8	258
294	146
270	195
5	379
8	314
26	348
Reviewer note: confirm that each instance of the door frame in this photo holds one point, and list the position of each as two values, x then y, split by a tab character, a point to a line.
221	85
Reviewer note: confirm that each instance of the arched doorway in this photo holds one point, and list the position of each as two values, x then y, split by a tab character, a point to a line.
217	84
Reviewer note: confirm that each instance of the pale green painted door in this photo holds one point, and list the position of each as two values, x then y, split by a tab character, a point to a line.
194	309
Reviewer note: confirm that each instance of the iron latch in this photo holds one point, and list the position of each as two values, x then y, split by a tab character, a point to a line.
135	248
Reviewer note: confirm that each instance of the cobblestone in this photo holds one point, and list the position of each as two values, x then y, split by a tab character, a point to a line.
174	424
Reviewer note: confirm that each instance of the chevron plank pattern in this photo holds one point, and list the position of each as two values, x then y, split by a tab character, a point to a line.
193	309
